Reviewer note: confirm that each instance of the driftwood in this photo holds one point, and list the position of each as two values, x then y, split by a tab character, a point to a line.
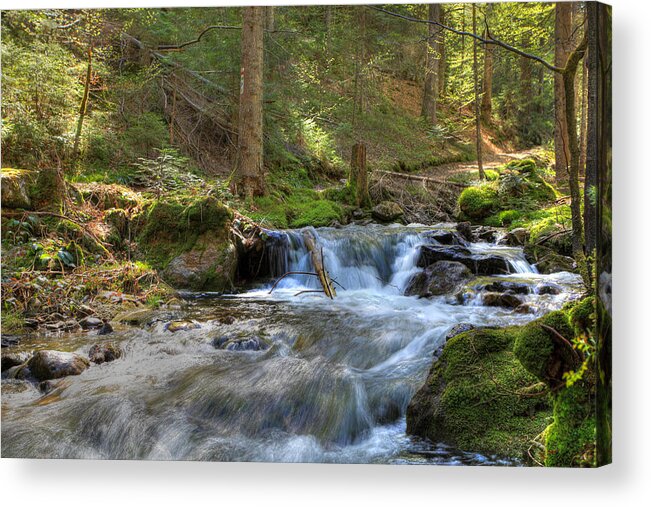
317	261
424	179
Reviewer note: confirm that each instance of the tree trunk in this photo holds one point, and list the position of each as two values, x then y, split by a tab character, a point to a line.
84	104
475	72
358	175
250	180
270	18
562	36
487	96
359	99
442	57
599	174
430	91
584	113
526	82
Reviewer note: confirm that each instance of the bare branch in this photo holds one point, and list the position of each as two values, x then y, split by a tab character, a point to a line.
483	40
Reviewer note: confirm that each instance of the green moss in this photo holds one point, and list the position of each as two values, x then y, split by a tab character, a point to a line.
479	202
492	175
478	382
301	208
570	439
534	346
173	225
582	316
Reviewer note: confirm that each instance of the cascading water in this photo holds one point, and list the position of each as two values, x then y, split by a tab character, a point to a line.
333	385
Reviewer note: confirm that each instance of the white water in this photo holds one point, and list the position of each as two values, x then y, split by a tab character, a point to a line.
333	387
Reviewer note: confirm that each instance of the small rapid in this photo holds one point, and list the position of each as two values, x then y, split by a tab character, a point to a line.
333	385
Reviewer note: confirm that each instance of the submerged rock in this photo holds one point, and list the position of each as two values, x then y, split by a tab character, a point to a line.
11	360
10	340
51	364
181	325
442	277
512	287
505	299
387	211
91	322
104	353
251	343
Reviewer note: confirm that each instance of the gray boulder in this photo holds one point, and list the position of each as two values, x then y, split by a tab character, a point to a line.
442	277
387	211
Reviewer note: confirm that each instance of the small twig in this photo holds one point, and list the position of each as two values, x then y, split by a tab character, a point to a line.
290	273
306	291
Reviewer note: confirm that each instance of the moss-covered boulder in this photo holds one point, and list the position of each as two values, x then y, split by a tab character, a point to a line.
15	185
477	203
387	211
547	260
479	397
570	439
543	347
188	240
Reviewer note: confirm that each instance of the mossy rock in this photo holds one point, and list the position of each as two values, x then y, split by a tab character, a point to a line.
582	316
478	203
570	439
539	350
478	397
15	185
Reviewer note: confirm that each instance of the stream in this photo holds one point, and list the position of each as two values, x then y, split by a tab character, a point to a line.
331	384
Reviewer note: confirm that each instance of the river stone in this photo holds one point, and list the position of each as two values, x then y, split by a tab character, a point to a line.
51	364
105	329
137	317
10	340
210	265
251	343
442	277
516	237
14	187
547	261
11	360
104	353
465	229
506	299
91	322
387	211
548	288
485	233
513	287
63	326
479	264
181	325
446	237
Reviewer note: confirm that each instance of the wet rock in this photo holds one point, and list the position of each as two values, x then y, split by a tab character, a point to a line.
547	261
91	323
516	237
485	233
387	211
525	308
227	320
10	340
105	329
181	325
252	343
446	237
210	265
31	323
63	326
479	264
137	317
104	353
506	299
465	229
52	364
442	277
358	213
18	372
11	360
513	287
548	289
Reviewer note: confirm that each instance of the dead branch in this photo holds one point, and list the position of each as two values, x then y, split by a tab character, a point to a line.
424	179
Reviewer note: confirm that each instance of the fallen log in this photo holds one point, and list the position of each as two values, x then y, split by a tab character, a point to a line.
424	179
317	261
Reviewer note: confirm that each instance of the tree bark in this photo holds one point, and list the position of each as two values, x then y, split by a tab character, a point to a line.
316	256
430	90
84	104
442	56
475	71
487	96
270	18
250	181
358	175
562	36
